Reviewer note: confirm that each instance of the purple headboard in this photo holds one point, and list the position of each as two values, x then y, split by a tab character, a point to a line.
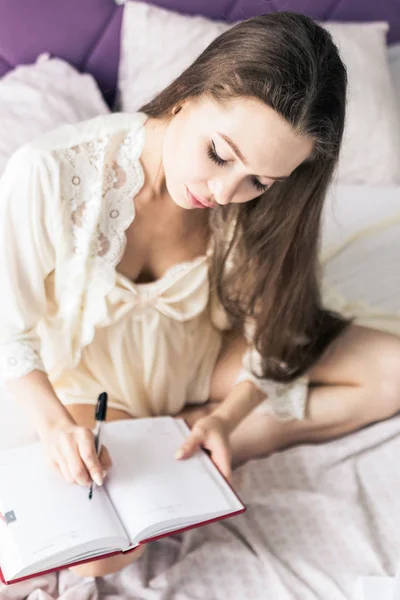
86	32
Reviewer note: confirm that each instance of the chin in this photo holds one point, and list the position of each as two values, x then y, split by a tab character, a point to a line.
177	198
181	199
181	202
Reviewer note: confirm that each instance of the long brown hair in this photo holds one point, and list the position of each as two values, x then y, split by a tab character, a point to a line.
290	63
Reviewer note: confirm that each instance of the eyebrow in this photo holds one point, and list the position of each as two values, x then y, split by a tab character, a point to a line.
242	158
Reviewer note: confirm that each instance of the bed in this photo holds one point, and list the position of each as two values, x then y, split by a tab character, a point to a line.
319	516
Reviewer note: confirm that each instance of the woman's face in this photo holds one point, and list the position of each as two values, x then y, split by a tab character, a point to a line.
218	153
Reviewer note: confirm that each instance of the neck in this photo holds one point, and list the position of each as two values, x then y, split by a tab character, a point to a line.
151	159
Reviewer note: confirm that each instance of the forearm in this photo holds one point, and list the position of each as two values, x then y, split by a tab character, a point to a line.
40	402
239	403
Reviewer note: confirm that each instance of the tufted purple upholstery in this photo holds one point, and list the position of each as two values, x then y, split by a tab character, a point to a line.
338	10
86	32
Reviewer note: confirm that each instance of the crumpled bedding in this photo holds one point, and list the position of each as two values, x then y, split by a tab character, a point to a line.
319	516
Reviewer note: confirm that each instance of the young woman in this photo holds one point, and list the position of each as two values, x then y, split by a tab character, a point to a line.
170	258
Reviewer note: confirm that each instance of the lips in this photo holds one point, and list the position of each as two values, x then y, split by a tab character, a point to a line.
200	201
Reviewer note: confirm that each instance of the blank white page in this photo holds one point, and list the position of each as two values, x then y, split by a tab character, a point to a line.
147	485
51	515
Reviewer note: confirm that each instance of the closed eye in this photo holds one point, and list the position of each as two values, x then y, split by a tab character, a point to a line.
214	156
257	184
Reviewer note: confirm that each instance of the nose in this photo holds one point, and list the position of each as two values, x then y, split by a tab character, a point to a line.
222	190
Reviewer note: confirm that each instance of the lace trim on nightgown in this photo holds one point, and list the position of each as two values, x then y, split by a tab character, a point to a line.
100	179
19	359
285	401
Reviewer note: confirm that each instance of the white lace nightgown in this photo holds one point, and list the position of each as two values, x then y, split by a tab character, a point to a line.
66	201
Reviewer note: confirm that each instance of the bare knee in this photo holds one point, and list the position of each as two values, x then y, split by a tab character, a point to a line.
105	566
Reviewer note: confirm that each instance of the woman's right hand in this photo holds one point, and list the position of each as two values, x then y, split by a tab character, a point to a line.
71	451
69	448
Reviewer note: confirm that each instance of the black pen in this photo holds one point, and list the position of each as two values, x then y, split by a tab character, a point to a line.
100	416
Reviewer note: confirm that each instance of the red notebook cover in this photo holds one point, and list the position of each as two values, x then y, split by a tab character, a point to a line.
152	539
145	541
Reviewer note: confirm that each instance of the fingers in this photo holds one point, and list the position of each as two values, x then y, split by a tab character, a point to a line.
191	445
70	461
89	457
73	454
221	457
105	460
213	439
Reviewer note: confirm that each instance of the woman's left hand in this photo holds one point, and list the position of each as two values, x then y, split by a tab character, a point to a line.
211	433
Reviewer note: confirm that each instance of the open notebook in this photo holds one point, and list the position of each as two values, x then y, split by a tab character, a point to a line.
47	523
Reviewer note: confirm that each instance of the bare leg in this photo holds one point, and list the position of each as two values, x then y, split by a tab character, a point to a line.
84	415
355	383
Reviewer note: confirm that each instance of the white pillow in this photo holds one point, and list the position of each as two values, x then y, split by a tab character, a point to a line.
37	98
157	45
361	254
394	64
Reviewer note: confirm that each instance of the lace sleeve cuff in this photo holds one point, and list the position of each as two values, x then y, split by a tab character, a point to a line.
18	359
285	401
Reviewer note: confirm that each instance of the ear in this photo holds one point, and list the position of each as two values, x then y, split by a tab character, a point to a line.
176	109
